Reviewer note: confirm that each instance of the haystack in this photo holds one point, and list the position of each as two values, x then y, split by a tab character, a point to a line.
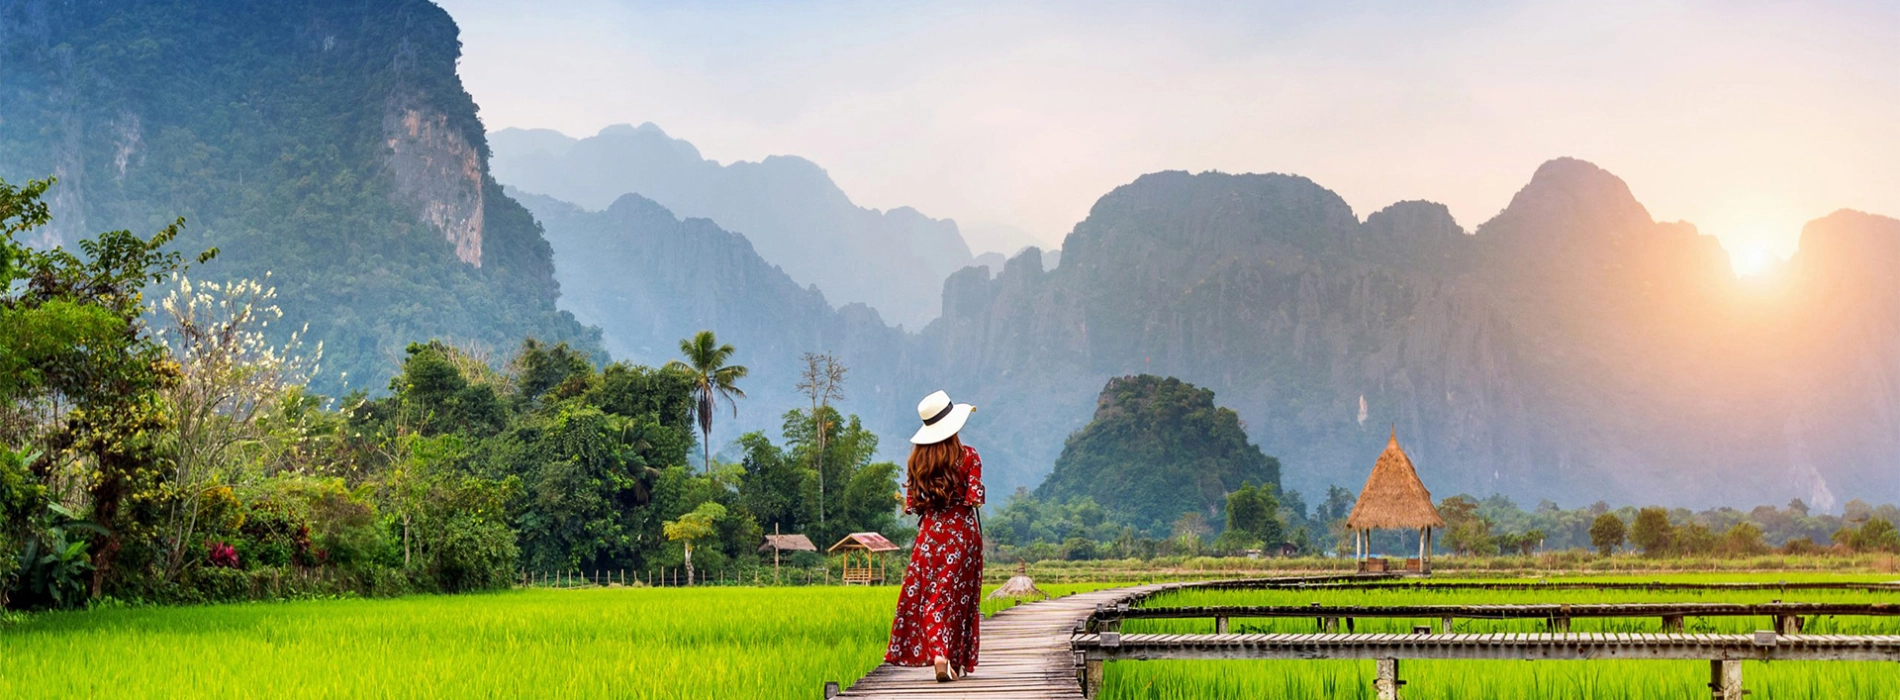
1394	499
1019	586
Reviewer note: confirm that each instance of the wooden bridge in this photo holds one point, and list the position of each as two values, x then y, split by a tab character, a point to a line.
1025	650
1724	652
1057	648
1789	618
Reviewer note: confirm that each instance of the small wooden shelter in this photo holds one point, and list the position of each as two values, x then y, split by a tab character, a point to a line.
863	557
777	543
1393	499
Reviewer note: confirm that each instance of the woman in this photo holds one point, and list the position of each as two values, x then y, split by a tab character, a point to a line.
937	609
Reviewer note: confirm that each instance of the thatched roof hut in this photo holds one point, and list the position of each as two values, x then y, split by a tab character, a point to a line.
1394	499
787	543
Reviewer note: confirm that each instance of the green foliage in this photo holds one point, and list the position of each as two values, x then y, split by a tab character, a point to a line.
1253	520
713	381
1156	448
1878	535
269	127
1606	534
780	485
1466	530
1652	531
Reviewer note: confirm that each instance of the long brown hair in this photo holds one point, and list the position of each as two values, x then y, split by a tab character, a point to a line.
936	479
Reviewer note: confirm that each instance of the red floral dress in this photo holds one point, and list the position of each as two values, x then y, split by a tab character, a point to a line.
937	609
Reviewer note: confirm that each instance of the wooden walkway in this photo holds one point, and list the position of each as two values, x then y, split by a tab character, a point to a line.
1761	646
1025	651
1024	654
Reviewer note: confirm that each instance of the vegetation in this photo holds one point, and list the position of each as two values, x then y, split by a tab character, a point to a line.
1157	448
172	452
269	128
713	380
1481	680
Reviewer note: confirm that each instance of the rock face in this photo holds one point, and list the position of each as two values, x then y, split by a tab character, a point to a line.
788	207
439	174
1571	348
329	143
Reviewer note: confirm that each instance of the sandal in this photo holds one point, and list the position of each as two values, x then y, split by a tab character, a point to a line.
943	670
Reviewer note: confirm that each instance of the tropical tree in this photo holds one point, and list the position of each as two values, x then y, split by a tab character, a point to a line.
1606	534
1652	531
713	380
822	381
697	524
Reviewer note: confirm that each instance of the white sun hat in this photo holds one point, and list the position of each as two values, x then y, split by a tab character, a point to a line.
942	418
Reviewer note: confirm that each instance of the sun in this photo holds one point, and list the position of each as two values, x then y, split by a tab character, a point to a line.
1751	262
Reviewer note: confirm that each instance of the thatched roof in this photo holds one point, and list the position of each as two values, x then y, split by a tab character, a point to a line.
1394	498
788	543
867	541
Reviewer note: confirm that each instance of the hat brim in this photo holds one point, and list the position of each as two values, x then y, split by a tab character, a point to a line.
943	429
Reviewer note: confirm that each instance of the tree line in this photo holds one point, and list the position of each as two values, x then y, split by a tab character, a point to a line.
159	442
1263	521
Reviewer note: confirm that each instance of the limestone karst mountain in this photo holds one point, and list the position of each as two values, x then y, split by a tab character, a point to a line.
1571	346
328	143
788	207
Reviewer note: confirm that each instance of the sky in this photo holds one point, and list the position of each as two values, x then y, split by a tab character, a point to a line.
1745	118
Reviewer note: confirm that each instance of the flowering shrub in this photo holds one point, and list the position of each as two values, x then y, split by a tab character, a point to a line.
222	554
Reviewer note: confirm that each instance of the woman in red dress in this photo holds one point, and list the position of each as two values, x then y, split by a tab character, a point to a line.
937	609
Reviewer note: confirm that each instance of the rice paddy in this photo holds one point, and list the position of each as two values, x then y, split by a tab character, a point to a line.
1485	680
538	643
786	642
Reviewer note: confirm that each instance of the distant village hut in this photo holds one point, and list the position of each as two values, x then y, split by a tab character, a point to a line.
1393	499
864	554
777	543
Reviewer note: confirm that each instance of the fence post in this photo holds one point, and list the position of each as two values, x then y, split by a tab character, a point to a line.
1386	683
1725	678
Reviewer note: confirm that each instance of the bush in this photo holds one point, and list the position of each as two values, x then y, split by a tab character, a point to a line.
472	555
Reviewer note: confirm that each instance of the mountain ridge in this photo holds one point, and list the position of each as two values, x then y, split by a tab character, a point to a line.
787	206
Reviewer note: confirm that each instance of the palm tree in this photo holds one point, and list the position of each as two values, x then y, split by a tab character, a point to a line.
713	380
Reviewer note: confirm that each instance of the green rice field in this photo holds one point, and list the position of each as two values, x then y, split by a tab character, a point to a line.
541	643
1485	680
785	643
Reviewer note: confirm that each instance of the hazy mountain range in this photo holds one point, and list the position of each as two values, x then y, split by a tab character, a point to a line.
1569	348
785	205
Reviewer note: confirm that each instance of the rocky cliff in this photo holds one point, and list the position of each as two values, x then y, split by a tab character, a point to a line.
329	143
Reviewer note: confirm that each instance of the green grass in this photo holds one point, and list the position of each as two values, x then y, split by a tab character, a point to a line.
1485	680
585	643
758	643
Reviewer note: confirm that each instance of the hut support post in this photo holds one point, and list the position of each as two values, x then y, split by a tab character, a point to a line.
1423	533
1386	683
1725	678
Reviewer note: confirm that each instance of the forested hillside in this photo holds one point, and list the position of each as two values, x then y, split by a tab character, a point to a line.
328	144
1158	448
